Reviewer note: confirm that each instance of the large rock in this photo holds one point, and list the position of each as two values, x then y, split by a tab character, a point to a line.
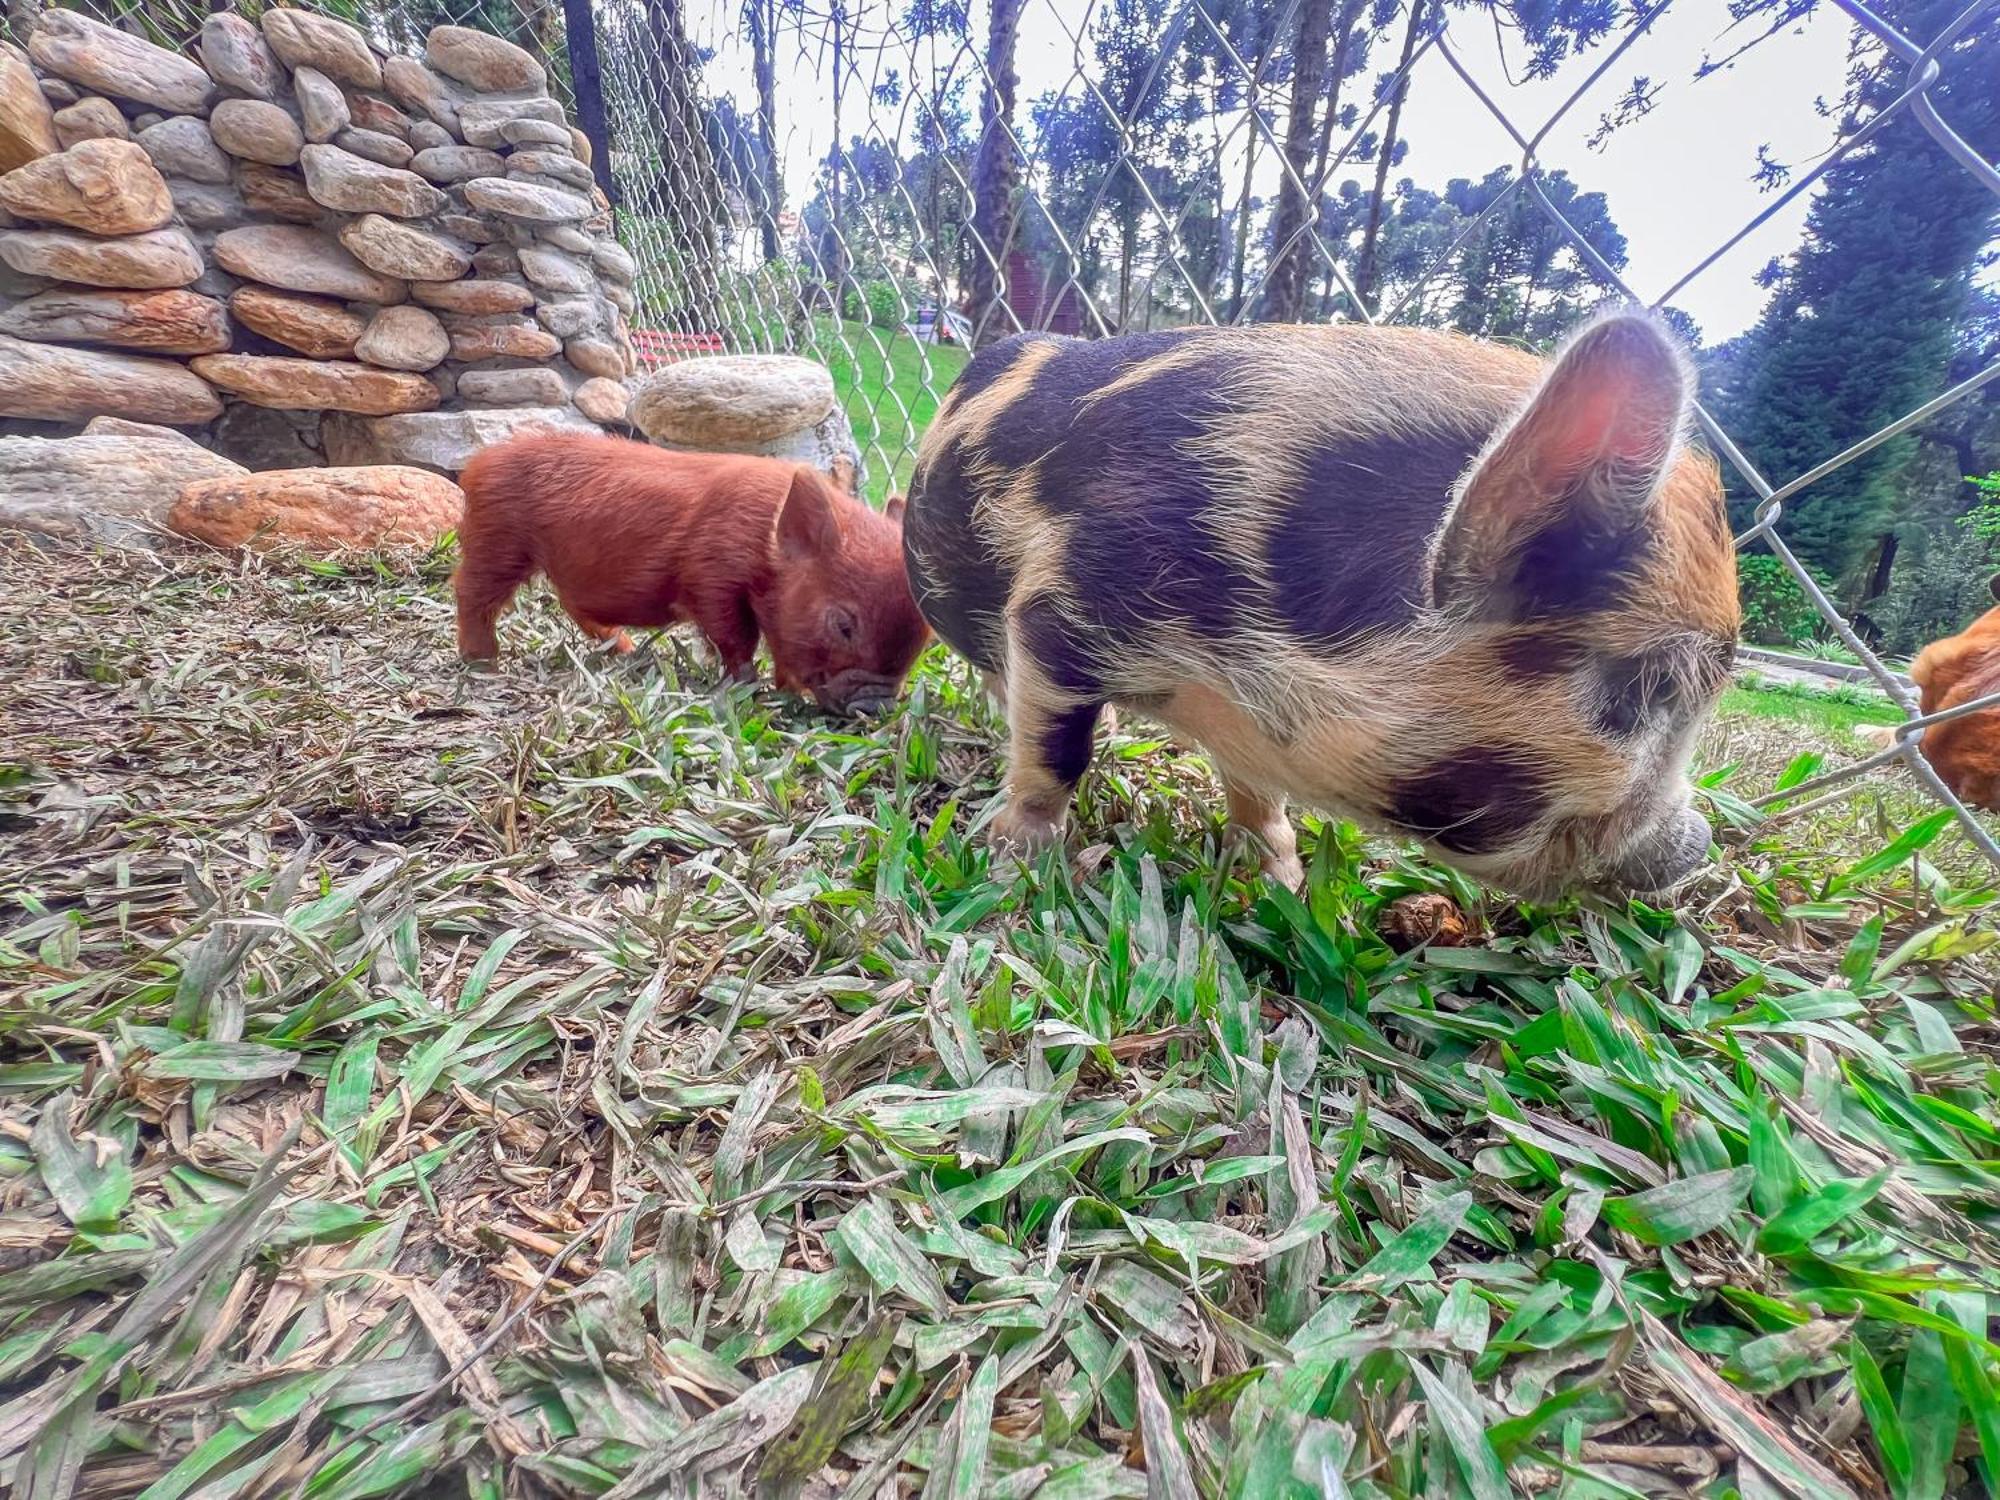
473	297
91	119
321	508
472	343
300	260
350	184
603	401
27	124
482	61
184	147
553	271
312	325
457	163
305	39
404	338
530	387
483	122
443	440
416	87
106	488
238	57
104	187
52	383
316	385
560	165
115	62
257	131
733	401
159	322
525	200
378	146
322	106
274	193
163	258
395	249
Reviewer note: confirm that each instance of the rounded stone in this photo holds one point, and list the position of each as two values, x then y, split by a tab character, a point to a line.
595	356
274	193
54	383
303	260
27	123
396	249
322	509
497	260
162	258
184	147
236	56
58	91
170	321
553	271
117	63
526	200
473	298
572	317
428	135
103	186
350	184
733	400
106	487
614	262
580	144
483	122
531	387
404	338
315	384
321	104
376	145
306	39
204	205
535	133
257	132
457	163
559	165
312	325
373	112
482	61
603	401
470	345
417	88
90	120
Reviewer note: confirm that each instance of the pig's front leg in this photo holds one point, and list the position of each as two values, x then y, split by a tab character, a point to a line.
1049	736
1262	817
730	626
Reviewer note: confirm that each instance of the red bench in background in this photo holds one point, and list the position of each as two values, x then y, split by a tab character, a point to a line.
657	348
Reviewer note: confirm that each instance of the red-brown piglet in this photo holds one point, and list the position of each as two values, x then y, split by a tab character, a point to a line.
742	547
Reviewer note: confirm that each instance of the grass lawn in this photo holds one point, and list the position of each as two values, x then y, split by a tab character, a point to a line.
576	1080
891	386
1834	714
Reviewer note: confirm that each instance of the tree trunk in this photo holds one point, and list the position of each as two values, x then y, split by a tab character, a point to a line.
763	15
693	198
1343	47
1364	276
1249	174
1285	280
995	171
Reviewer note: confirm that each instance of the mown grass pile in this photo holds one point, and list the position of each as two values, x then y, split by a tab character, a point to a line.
573	1080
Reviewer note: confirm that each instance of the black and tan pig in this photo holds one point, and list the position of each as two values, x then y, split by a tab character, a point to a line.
1439	586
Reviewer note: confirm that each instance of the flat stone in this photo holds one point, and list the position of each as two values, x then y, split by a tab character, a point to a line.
351	184
483	62
236	56
162	258
56	383
595	356
315	384
572	317
321	104
397	249
203	205
102	487
58	91
102	186
531	387
496	260
376	146
443	440
316	326
117	63
256	131
526	200
614	262
428	135
91	119
580	144
27	123
457	163
473	297
119	427
404	338
306	39
275	193
621	297
417	88
171	321
373	112
183	147
321	509
603	401
554	271
733	400
475	228
303	260
470	345
261	438
560	165
564	237
483	122
525	132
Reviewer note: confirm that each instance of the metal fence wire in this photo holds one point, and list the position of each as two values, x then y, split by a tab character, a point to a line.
859	180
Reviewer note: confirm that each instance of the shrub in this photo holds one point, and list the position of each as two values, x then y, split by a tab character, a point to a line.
1777	611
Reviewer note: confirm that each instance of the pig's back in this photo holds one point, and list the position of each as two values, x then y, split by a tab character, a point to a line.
1208	485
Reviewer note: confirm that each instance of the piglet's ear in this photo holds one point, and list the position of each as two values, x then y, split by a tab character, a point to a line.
1561	499
896	506
807	526
1993	587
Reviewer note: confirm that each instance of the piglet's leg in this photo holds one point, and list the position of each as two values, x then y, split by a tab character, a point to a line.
1050	735
731	628
1262	818
613	635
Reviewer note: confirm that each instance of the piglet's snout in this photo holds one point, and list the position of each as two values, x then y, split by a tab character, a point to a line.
1674	849
865	695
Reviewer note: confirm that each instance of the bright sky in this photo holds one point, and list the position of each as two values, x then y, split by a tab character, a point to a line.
1678	181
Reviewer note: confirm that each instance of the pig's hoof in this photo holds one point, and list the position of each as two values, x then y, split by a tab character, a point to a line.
623	644
1288	870
1020	833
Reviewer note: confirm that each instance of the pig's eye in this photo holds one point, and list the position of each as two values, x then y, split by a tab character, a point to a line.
840	620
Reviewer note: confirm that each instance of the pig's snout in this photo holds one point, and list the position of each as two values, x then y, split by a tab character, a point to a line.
1673	850
863	695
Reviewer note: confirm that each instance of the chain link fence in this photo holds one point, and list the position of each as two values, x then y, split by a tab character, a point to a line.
883	185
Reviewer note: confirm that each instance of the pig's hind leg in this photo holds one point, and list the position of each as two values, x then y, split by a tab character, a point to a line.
1051	733
1262	818
491	568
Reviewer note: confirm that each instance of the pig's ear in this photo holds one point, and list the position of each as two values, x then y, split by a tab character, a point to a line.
1993	587
897	505
1556	511
807	526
